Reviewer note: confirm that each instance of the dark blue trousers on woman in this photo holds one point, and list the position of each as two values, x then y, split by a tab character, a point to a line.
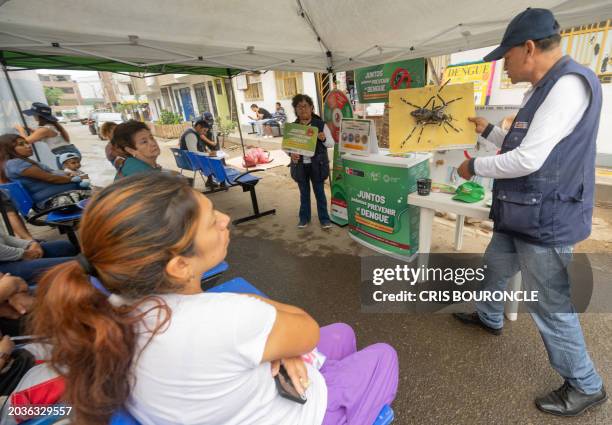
55	253
318	187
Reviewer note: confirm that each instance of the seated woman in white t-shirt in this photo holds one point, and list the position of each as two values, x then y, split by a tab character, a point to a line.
131	326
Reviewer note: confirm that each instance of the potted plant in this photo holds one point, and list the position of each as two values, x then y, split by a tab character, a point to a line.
225	127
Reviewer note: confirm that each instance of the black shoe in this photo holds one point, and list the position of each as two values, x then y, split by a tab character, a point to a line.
473	319
568	401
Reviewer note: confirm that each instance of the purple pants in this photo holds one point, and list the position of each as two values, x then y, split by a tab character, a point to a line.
359	383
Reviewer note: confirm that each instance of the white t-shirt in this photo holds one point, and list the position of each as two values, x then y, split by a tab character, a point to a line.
205	368
55	141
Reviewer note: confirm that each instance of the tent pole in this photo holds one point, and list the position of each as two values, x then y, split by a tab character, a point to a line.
229	74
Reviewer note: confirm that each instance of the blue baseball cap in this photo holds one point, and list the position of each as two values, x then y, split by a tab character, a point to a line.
531	24
42	110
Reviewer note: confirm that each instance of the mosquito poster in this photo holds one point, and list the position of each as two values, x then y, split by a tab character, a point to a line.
431	118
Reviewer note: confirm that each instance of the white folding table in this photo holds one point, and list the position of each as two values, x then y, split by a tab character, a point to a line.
443	202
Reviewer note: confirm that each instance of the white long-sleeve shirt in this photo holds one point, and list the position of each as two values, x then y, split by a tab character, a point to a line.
554	120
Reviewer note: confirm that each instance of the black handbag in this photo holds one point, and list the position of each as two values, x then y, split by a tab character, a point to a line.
20	362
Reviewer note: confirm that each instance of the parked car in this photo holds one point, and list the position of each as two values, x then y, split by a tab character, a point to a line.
102	117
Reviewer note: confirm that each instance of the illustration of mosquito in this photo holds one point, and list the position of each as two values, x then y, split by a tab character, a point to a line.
436	115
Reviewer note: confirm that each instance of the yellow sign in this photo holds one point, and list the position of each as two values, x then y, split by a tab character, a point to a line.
431	118
481	74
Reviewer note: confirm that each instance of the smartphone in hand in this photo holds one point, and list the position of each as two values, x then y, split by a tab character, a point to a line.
285	387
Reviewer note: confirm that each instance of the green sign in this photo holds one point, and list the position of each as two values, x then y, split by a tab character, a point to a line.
378	210
300	139
374	82
337	107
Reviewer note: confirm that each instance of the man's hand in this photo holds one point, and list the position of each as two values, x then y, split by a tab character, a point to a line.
6	345
22	302
295	157
464	170
321	136
481	123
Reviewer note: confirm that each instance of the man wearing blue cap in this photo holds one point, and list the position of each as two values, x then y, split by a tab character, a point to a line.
543	199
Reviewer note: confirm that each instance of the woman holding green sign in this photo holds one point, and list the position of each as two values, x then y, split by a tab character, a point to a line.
315	169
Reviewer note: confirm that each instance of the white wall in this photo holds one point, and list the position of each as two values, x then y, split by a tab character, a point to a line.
268	84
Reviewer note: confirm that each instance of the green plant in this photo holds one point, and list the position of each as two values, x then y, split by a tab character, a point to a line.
53	95
169	117
226	127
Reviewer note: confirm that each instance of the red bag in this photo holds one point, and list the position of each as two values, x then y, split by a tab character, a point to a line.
256	156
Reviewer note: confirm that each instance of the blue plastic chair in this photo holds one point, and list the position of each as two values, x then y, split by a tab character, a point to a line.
182	162
123	417
65	222
232	177
211	276
237	285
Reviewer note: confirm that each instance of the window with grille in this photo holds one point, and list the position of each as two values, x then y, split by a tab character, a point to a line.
288	84
201	98
254	92
219	86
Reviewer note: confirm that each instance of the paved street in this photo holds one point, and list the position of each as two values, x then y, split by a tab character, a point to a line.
449	374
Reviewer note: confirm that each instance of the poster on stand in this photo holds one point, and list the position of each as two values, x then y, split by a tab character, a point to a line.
300	139
336	107
358	137
432	118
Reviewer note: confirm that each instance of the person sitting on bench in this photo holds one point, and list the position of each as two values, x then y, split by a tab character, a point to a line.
200	139
278	119
41	182
131	326
260	116
28	259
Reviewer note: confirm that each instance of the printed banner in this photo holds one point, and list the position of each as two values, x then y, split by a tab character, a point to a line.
374	82
480	73
337	107
378	209
431	118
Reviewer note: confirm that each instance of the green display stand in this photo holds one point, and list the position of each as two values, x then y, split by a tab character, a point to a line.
379	216
336	107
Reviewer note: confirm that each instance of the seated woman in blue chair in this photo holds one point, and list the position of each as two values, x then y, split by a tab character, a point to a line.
141	148
131	326
41	182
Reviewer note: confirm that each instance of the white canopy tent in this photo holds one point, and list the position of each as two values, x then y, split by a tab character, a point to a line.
302	35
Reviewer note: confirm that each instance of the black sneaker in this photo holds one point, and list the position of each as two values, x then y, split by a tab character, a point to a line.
302	224
568	401
326	225
474	319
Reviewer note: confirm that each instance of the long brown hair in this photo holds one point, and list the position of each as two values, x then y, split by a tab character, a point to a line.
129	233
42	121
7	151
